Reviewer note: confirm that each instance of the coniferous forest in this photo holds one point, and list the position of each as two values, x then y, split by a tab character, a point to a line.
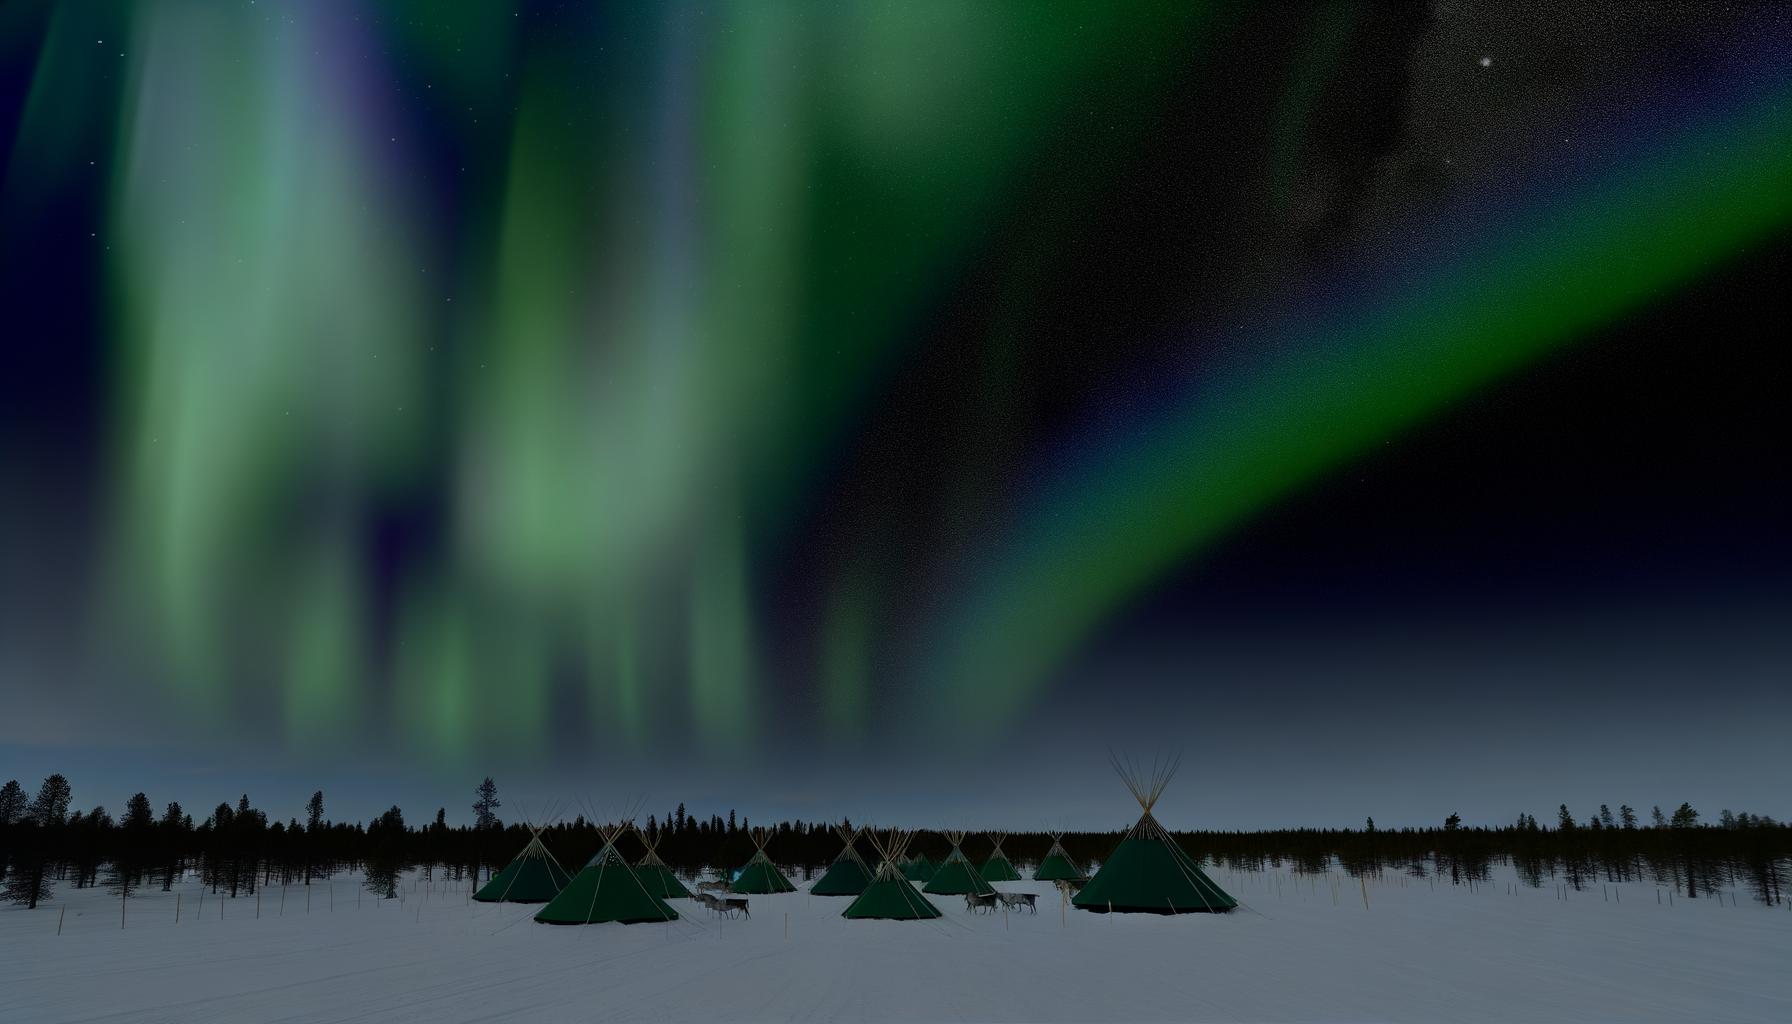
237	847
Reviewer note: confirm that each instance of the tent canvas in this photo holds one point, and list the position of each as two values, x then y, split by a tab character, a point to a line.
655	876
957	875
759	875
890	896
532	876
848	875
996	867
606	889
1148	873
1057	865
920	869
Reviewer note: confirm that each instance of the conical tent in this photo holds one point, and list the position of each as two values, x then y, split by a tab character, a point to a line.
760	875
848	875
957	875
1148	873
606	889
1057	866
655	876
890	896
996	867
919	869
532	876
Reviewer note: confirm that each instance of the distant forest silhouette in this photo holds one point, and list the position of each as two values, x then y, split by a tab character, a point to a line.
238	847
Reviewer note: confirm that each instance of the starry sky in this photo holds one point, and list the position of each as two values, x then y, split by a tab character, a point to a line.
885	408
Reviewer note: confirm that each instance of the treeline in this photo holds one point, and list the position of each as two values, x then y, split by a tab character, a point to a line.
1747	851
237	848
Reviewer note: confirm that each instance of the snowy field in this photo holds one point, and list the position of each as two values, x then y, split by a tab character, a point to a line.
1296	952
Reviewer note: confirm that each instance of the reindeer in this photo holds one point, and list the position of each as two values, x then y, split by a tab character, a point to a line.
733	903
1014	900
719	885
974	902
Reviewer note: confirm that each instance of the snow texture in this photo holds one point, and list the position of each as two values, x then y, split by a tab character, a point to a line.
1416	953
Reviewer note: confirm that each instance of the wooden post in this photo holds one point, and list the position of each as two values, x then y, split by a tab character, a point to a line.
282	900
307	899
258	904
201	909
786	926
121	905
59	918
177	908
1365	884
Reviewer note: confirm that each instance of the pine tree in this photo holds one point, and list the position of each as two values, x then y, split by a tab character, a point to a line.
314	824
1657	818
12	803
1605	817
169	835
28	882
1627	815
1564	820
484	816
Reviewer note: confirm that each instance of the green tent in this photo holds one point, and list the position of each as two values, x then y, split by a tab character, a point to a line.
919	870
996	867
957	875
1057	865
848	875
655	876
532	876
890	896
760	875
1148	873
606	890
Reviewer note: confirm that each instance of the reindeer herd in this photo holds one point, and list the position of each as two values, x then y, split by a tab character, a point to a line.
726	906
987	902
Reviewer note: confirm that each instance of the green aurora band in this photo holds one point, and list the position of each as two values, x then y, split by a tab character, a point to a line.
1558	269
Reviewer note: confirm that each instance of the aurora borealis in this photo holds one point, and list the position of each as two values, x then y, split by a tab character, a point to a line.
745	384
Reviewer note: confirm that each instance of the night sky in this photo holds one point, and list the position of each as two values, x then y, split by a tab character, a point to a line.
886	408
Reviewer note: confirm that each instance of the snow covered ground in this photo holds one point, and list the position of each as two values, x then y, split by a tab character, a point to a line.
1414	954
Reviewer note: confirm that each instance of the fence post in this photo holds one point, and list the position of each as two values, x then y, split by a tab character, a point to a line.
177	908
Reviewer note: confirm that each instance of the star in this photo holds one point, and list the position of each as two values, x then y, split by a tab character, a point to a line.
1487	62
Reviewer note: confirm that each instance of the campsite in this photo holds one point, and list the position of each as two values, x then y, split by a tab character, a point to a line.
1145	931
